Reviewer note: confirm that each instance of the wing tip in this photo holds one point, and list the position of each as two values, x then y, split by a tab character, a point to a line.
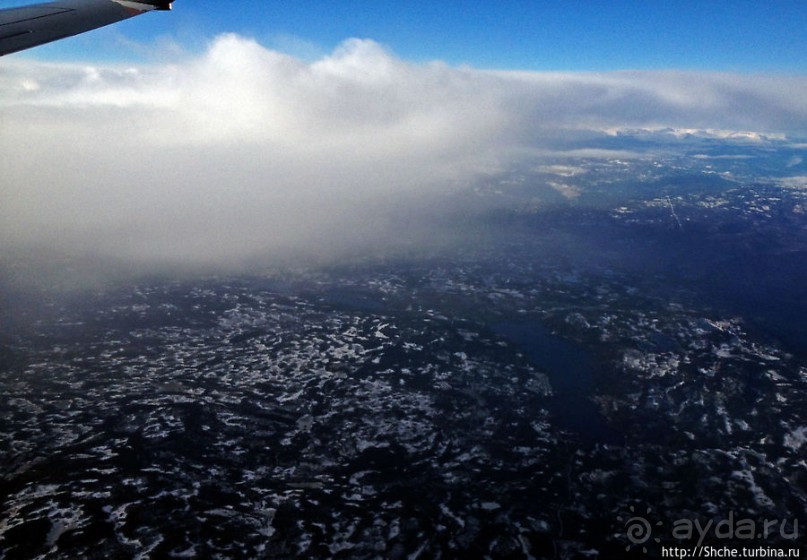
140	6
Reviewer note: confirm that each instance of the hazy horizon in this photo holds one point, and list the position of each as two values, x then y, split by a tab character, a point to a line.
243	152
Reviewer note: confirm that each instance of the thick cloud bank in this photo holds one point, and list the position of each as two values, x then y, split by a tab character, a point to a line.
245	151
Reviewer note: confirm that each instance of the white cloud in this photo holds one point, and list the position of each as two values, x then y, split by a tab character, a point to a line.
245	150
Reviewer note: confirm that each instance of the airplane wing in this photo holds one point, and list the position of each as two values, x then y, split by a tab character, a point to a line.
30	26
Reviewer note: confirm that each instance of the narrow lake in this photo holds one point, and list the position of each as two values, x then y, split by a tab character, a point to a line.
571	374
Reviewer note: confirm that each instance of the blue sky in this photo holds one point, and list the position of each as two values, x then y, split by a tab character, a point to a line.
737	35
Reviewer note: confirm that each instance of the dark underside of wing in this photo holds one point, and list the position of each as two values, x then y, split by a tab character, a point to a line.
29	26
